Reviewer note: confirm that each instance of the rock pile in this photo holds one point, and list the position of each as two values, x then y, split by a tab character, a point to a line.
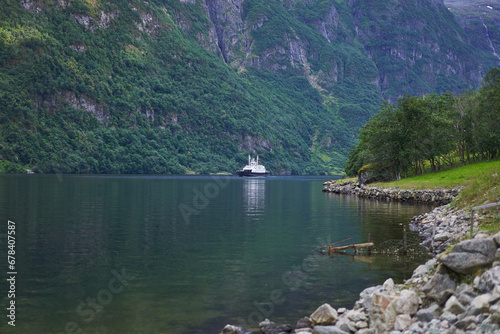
433	300
444	226
438	196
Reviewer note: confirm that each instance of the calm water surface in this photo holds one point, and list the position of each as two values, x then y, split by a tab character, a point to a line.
154	254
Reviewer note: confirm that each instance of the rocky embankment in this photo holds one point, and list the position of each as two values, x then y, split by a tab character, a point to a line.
458	291
438	196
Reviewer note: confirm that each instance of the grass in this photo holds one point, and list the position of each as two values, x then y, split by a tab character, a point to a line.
477	175
480	182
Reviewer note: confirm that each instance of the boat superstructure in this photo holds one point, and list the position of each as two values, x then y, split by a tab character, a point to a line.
253	168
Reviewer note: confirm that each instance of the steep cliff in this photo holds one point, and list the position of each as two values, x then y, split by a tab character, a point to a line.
480	21
403	46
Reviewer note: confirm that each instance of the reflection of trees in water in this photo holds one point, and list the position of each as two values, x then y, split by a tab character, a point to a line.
383	220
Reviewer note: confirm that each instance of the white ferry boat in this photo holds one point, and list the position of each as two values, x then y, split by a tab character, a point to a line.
253	169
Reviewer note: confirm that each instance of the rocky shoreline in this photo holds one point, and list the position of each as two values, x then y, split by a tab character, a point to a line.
458	291
438	196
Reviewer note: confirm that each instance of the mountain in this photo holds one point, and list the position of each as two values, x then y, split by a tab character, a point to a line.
180	86
480	19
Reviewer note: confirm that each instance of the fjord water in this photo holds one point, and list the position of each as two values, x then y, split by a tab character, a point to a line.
186	254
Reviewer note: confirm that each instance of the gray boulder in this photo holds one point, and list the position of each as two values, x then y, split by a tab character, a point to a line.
470	254
304	323
465	294
479	305
489	279
486	247
454	306
437	286
403	321
429	313
407	303
496	239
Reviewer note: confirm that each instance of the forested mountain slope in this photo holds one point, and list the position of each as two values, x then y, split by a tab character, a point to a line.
170	86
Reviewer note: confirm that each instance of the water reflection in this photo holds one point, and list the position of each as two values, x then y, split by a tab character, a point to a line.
254	197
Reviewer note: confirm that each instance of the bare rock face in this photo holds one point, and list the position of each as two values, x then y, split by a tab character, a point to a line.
324	315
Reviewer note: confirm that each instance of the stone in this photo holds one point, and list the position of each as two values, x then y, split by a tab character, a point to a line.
269	327
475	283
357	316
479	305
435	288
465	294
388	285
343	324
273	328
465	322
454	306
407	303
495	311
382	312
489	279
465	263
442	236
496	239
470	254
484	246
328	330
450	317
495	295
341	310
429	313
424	269
367	294
266	322
364	331
229	329
403	321
361	324
382	300
304	323
490	325
324	315
445	296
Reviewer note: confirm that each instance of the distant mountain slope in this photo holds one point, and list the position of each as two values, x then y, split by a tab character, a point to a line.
480	20
176	86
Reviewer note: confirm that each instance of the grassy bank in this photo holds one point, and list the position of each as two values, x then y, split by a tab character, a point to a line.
480	182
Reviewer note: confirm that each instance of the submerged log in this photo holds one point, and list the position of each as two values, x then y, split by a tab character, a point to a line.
334	249
330	249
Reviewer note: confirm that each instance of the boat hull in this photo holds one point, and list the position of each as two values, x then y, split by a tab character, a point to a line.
249	173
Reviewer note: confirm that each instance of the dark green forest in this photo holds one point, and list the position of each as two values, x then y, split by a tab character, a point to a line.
97	86
419	134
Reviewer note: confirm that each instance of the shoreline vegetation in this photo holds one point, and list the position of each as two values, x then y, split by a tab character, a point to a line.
457	291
